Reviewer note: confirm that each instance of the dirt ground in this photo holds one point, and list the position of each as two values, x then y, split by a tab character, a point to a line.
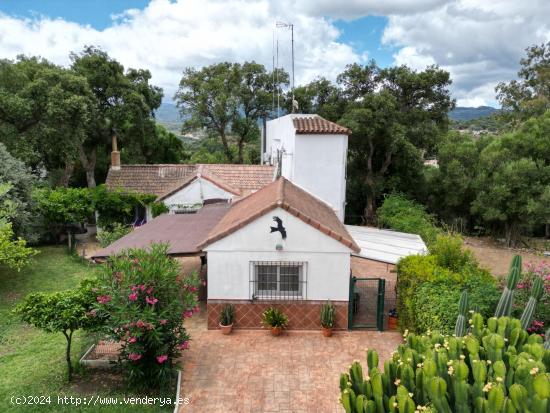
496	257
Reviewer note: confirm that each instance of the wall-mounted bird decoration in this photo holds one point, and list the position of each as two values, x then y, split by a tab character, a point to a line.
279	227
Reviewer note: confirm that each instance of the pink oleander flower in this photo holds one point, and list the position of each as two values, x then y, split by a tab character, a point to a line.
162	359
134	288
149	290
163	321
184	345
133	297
142	287
151	300
134	356
193	289
103	299
196	309
132	340
188	313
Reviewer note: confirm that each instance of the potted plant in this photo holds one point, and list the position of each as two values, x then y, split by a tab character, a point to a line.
274	319
392	319
227	316
327	318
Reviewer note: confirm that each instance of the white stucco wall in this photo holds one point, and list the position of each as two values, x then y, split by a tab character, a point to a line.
316	162
229	259
195	193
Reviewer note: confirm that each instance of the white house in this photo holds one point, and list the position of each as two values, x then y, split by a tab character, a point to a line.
298	268
312	153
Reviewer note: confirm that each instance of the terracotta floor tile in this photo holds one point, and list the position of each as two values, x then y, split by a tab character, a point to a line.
251	371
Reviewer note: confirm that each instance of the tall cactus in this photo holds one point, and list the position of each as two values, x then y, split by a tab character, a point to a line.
460	327
536	293
504	307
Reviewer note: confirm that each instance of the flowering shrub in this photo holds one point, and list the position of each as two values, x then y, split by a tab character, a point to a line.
541	318
147	300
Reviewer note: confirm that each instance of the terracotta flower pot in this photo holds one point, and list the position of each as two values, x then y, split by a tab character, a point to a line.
392	323
226	329
327	331
276	331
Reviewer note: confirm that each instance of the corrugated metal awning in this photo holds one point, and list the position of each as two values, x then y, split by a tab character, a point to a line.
385	245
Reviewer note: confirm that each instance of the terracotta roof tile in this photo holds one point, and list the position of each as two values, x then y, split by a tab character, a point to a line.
313	125
164	180
182	231
284	194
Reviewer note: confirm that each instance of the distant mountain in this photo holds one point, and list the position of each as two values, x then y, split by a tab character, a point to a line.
465	113
169	116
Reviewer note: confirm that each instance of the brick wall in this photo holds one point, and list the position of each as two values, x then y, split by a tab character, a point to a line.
302	315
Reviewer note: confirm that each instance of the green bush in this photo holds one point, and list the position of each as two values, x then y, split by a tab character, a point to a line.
158	208
147	299
497	367
429	286
107	237
402	214
436	303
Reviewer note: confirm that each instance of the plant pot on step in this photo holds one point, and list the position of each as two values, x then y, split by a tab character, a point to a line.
226	330
327	331
276	331
392	323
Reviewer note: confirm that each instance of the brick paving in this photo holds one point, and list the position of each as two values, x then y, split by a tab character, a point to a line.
251	371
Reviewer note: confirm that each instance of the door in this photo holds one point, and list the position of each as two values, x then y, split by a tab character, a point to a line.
366	303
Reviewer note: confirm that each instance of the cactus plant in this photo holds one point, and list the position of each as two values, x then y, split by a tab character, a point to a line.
460	327
496	367
536	293
504	307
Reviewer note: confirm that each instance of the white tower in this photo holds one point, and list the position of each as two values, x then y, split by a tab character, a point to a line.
312	152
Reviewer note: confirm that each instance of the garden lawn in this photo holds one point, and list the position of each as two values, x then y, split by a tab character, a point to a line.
32	362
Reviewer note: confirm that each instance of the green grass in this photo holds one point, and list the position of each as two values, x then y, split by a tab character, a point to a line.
32	362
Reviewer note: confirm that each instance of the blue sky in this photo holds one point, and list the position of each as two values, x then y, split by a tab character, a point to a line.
480	43
96	13
363	34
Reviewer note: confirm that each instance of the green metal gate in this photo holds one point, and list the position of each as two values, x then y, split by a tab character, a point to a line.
366	303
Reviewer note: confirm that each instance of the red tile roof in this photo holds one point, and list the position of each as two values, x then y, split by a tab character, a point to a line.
314	125
165	179
182	231
283	194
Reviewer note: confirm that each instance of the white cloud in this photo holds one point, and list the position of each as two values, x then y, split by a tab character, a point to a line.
480	42
166	37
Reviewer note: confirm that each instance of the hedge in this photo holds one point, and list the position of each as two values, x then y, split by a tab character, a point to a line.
429	286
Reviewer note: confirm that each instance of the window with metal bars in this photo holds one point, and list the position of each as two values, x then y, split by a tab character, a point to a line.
271	280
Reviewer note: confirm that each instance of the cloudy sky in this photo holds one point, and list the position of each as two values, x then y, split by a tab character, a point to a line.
480	42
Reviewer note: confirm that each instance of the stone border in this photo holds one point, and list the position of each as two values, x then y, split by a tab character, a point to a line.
176	405
100	364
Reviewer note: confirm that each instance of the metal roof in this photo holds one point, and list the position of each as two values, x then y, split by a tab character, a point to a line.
385	245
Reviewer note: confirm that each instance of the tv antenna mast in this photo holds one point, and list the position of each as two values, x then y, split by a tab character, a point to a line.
283	25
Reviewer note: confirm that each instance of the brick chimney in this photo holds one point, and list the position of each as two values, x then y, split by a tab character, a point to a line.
115	155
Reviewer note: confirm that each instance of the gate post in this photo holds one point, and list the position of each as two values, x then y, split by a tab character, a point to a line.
380	304
350	301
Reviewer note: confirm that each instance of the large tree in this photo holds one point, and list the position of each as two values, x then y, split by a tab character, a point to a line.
227	98
44	114
391	112
513	182
124	102
530	94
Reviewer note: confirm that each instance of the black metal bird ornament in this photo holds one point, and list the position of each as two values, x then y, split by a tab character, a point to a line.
279	227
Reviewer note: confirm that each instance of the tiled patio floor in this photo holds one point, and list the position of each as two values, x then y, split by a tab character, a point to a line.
251	371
